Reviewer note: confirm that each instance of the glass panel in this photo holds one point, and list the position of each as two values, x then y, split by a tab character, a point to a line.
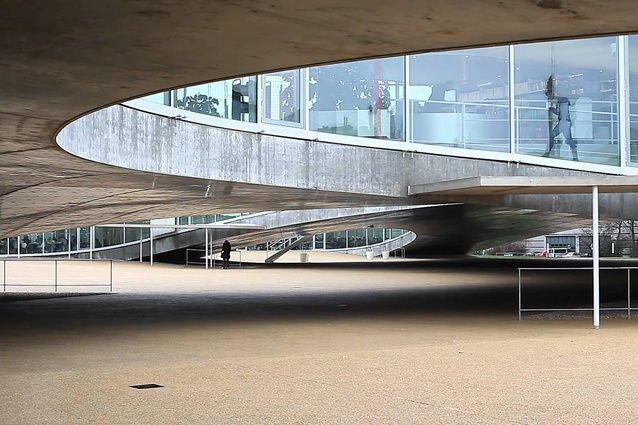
319	241
566	95
222	217
60	241
335	240
132	234
3	246
161	98
364	98
29	244
235	99
375	236
460	98
51	242
356	238
561	241
74	239
198	219
108	236
146	232
282	97
632	90
13	245
85	237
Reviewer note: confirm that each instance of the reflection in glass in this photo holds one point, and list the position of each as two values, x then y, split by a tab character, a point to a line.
161	98
13	245
85	237
460	98
364	98
335	240
632	90
282	96
235	99
132	234
108	236
566	95
356	238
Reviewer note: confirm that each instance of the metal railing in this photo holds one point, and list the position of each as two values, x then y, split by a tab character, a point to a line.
20	275
197	257
628	308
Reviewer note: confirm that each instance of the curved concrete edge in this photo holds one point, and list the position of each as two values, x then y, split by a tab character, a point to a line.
133	139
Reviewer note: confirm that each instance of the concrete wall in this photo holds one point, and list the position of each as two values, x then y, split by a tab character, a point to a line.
132	139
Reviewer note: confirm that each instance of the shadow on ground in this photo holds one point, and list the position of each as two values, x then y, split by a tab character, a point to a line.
495	293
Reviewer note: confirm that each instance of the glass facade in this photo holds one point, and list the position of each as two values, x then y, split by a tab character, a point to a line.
560	100
71	241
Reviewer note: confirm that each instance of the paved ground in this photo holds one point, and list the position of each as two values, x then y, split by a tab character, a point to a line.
368	342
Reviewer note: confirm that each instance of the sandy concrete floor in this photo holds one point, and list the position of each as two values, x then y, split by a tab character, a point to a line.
367	342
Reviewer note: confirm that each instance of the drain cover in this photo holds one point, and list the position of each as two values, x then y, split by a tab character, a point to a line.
146	386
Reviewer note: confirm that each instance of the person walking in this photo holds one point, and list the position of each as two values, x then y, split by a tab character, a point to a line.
225	254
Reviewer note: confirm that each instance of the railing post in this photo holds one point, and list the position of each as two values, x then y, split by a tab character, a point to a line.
628	293
111	275
4	280
519	294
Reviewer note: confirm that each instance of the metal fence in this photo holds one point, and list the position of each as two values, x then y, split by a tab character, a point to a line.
197	257
39	275
628	308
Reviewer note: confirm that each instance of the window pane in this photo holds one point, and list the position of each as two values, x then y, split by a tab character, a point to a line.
335	240
85	237
363	98
161	98
282	96
356	238
234	99
566	100
633	98
460	99
108	236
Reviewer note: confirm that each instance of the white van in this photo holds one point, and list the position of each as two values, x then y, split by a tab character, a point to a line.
557	252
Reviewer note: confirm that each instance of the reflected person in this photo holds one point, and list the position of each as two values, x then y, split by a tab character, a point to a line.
559	118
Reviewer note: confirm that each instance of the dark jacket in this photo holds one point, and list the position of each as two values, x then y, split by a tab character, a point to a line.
226	250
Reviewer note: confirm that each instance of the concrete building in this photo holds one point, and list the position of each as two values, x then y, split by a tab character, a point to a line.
403	125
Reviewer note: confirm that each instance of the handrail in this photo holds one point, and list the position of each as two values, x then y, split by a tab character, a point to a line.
29	275
520	288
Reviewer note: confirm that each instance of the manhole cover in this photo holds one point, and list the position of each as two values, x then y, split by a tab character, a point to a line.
146	386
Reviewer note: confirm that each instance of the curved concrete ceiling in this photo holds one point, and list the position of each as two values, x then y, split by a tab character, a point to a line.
61	59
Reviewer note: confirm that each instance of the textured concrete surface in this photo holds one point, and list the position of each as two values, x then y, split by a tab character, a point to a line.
61	59
313	344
